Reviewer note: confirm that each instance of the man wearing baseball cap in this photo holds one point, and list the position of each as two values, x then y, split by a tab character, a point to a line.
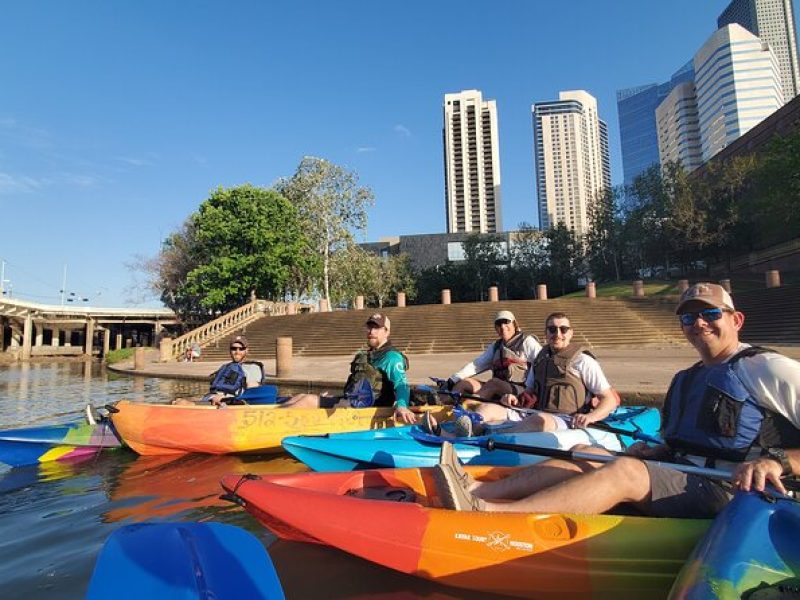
737	409
382	365
509	358
232	378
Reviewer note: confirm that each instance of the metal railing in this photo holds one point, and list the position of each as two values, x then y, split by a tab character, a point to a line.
228	323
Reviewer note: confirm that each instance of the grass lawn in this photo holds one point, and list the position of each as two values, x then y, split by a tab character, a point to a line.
625	288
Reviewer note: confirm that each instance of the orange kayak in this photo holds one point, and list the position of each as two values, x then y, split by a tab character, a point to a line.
152	429
550	556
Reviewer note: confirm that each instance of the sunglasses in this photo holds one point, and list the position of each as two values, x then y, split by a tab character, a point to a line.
502	322
552	329
238	348
709	315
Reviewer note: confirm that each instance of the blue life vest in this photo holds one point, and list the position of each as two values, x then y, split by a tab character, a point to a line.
709	412
230	379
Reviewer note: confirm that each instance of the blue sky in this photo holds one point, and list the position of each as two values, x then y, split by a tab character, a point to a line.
117	118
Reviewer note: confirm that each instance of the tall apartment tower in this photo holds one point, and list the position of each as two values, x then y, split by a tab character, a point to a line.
773	22
738	85
471	163
571	157
679	127
636	109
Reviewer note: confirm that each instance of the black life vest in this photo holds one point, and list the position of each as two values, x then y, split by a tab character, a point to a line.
362	369
230	379
509	362
709	412
555	387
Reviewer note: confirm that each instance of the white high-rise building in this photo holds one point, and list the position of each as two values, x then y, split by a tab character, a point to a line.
471	163
773	22
678	127
571	157
738	84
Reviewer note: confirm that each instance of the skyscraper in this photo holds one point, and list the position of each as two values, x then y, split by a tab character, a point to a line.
678	127
738	85
571	157
636	108
773	22
471	163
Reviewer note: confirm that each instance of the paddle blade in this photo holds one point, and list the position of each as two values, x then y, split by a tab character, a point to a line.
263	394
362	396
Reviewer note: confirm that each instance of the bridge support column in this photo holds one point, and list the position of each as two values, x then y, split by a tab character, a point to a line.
3	325
27	334
106	341
38	338
56	337
118	342
89	338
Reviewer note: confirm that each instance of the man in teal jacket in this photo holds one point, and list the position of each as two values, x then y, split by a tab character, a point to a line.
382	365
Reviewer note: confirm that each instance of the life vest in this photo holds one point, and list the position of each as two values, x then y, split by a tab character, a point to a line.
708	412
230	379
361	369
509	362
555	387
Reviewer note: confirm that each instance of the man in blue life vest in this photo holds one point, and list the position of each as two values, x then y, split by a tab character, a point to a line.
382	365
736	409
232	378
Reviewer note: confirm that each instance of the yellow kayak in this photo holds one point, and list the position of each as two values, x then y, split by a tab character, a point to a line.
151	429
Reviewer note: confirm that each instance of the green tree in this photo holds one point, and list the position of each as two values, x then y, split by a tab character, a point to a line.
396	275
604	238
332	208
772	210
528	260
242	240
354	272
565	260
485	259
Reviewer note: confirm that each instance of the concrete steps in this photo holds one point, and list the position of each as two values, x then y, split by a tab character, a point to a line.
463	327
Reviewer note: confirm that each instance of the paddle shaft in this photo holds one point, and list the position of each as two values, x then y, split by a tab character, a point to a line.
491	444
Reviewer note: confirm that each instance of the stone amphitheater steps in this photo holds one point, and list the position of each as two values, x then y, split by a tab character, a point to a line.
772	316
462	327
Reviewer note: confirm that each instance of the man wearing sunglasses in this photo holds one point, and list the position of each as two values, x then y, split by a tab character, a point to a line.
232	378
565	385
737	409
509	358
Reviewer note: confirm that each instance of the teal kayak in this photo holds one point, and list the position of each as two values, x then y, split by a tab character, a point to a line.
399	447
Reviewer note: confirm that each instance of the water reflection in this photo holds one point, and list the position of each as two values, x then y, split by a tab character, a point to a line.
54	517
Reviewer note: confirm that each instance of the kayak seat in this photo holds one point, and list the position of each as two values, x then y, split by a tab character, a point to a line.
392	494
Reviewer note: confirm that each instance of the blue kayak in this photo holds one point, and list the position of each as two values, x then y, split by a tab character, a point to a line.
68	442
403	447
183	561
752	550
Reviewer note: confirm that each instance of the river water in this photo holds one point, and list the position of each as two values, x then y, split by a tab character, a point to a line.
55	517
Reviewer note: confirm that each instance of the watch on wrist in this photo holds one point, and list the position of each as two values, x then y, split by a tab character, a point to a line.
779	454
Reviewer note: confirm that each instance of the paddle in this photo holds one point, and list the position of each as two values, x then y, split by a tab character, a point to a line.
491	444
637	435
457	396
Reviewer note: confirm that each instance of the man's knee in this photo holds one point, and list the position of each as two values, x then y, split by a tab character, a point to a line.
491	412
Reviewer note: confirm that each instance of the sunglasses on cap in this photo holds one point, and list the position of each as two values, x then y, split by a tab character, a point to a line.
502	322
709	315
238	348
552	329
